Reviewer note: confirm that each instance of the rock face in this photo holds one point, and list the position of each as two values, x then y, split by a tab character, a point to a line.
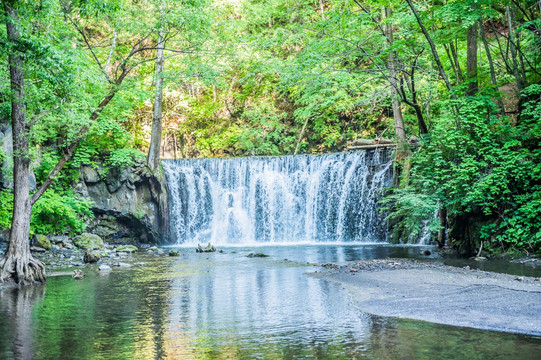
129	203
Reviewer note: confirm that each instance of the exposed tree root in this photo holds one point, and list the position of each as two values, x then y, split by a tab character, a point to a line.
22	270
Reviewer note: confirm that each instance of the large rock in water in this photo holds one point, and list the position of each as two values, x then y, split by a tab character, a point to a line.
129	203
88	241
91	256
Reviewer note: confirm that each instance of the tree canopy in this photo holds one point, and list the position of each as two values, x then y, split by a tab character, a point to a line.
247	77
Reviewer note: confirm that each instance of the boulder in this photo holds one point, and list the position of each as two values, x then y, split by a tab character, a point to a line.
42	241
88	241
174	253
129	204
91	256
61	240
90	175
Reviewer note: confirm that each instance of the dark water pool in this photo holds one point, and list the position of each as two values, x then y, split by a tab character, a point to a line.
229	306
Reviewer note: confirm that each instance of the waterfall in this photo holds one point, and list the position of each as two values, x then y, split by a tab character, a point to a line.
278	200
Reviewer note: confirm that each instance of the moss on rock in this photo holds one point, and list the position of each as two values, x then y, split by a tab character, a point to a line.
88	241
42	241
127	249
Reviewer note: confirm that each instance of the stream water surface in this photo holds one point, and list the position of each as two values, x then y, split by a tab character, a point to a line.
229	306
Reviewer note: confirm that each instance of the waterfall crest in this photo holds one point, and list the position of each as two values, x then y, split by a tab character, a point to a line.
278	200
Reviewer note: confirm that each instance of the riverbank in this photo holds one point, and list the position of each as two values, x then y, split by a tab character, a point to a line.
442	294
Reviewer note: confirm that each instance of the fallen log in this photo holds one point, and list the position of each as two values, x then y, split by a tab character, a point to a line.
373	146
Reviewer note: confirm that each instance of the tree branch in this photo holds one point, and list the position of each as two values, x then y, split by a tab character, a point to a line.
87	42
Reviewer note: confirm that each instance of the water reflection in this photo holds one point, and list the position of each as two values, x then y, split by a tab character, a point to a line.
228	306
16	321
255	305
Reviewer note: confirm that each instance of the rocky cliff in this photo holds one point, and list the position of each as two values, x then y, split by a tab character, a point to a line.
129	203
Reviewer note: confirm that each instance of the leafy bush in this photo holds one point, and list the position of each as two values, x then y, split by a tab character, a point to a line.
54	213
6	199
409	213
479	165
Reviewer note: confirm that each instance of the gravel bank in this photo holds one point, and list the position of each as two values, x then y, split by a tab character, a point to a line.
442	294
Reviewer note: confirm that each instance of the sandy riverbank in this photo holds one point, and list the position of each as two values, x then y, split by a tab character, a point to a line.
443	294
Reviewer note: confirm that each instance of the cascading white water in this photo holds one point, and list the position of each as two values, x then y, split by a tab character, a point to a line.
278	200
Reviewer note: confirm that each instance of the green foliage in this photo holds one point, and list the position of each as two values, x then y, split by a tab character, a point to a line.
6	199
479	165
409	214
255	78
54	213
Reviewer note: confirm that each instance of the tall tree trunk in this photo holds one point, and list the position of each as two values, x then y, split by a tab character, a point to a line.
452	62
491	65
301	135
442	216
516	72
460	77
153	159
471	61
397	111
17	264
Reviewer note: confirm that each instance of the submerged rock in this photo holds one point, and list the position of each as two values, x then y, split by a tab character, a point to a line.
122	264
207	249
78	274
104	267
330	265
88	241
259	255
480	258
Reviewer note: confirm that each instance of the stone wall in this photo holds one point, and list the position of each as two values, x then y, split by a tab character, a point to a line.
129	203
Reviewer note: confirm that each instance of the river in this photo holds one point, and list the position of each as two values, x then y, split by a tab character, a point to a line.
229	306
